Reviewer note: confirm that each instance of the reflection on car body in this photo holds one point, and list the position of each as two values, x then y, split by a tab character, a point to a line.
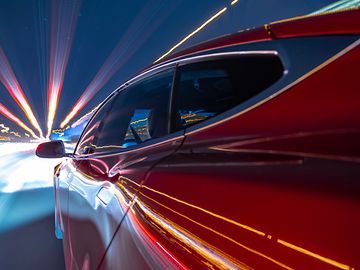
239	153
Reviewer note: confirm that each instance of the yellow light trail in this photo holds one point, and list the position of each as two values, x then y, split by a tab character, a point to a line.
12	117
192	33
208	212
222	235
314	255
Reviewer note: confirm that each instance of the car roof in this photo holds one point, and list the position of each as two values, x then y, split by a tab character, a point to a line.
329	23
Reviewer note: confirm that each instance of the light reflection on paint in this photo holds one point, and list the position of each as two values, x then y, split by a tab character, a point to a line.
154	247
222	235
167	225
314	255
97	168
248	228
103	163
64	16
212	255
247	145
8	78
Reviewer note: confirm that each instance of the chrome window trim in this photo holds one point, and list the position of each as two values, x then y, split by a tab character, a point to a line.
145	74
222	55
187	60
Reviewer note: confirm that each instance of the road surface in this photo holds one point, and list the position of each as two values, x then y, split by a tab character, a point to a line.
27	239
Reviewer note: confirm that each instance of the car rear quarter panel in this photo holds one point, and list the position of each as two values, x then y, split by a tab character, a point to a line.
276	186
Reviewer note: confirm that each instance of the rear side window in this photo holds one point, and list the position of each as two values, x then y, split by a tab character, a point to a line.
140	113
208	88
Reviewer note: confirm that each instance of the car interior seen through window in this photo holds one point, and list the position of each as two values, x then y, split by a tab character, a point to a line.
92	128
139	113
204	89
210	87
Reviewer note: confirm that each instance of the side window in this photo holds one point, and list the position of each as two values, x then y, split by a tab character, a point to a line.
210	87
85	143
139	113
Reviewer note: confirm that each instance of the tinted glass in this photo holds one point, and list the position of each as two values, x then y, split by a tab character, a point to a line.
88	136
207	88
139	113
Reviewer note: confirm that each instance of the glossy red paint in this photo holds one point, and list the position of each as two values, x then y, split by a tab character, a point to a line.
274	185
243	37
337	23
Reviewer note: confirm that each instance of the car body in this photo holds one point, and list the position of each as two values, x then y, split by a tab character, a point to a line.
239	153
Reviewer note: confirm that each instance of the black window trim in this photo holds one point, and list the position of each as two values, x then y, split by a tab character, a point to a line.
101	105
140	77
224	116
174	135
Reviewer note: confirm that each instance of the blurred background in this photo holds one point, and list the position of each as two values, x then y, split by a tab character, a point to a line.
59	59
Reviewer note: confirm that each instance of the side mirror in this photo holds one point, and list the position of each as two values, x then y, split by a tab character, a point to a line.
53	149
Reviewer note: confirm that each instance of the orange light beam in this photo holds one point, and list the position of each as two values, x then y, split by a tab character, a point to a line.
145	23
8	78
5	111
64	16
192	33
314	255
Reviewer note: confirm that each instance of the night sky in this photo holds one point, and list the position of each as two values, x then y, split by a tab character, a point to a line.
139	31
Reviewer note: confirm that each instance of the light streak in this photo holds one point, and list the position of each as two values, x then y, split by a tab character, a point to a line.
84	117
145	23
234	2
220	234
314	255
16	134
192	33
246	227
63	22
5	111
4	129
8	78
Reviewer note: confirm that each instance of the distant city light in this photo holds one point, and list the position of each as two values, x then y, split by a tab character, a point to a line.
5	111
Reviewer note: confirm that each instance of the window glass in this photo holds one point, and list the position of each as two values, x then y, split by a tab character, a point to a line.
210	87
88	136
139	113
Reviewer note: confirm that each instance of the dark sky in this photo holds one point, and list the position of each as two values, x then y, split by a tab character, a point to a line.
146	30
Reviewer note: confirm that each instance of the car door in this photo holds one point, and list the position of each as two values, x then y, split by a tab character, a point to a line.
112	163
159	232
258	186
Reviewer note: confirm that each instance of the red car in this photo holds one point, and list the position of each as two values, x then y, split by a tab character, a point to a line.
239	153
